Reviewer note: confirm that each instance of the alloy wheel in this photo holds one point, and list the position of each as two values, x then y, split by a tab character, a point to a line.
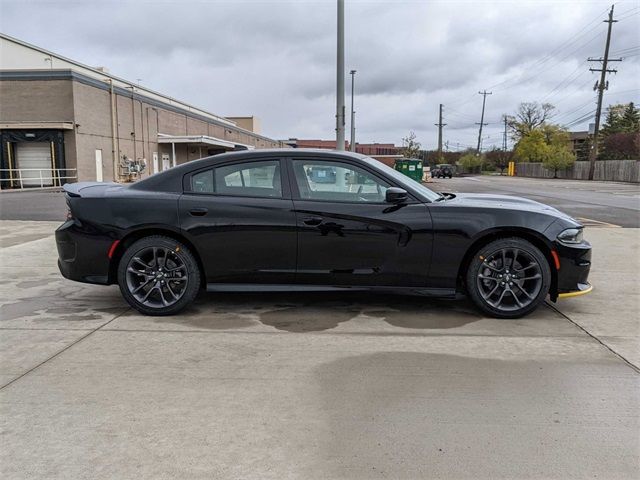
509	279
157	277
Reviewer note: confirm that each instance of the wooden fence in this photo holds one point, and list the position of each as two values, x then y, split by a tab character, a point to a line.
612	170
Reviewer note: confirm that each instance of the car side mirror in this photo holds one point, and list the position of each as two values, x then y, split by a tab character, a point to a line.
396	195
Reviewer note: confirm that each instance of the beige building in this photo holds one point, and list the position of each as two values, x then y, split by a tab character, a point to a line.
64	121
248	123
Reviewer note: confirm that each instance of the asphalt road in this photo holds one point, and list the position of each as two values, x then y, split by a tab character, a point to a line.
40	205
608	202
314	386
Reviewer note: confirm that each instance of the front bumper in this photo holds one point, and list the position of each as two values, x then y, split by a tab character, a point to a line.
583	289
82	255
573	274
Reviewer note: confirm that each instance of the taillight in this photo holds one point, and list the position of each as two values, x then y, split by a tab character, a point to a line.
69	214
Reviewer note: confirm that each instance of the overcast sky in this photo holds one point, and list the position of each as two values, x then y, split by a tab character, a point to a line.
276	59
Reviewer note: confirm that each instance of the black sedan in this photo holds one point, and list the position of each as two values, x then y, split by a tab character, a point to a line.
309	220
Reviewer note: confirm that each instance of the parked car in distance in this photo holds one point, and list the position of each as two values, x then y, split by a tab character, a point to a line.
310	220
443	170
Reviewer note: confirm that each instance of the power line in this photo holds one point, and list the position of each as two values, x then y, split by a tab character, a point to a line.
575	110
456	113
630	10
567	80
578	90
580	119
625	50
629	13
554	64
569	42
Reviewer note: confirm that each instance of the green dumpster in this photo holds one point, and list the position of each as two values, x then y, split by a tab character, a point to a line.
411	167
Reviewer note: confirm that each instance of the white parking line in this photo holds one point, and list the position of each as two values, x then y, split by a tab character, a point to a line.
589	222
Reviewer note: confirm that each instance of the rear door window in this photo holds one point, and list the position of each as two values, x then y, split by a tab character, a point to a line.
250	179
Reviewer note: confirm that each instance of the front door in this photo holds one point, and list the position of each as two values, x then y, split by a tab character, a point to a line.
240	217
349	235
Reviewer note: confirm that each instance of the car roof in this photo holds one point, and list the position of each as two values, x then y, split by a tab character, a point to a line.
171	180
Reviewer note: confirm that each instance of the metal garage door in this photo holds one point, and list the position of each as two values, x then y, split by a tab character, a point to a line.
34	161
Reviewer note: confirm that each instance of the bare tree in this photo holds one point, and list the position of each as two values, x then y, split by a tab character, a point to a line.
410	147
529	117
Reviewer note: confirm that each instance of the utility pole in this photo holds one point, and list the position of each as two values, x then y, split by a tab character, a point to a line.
601	86
440	125
504	135
484	99
353	113
340	80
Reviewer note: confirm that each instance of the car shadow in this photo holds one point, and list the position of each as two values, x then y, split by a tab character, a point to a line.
319	311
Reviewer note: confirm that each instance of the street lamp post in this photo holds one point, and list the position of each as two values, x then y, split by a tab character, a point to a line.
353	113
340	79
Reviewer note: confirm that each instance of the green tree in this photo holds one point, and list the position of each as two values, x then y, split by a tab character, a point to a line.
560	157
410	147
631	119
471	162
582	152
613	122
618	136
555	134
549	144
532	147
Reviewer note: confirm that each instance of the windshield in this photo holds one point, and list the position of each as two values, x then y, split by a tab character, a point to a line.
403	179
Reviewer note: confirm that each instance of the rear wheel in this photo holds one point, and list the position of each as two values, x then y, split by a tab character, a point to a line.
158	275
508	278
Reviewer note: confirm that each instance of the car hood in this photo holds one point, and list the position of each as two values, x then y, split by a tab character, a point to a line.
507	202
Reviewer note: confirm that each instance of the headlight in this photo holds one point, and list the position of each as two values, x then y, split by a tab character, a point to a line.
571	235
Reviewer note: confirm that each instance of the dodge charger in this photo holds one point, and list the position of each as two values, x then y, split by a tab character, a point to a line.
312	220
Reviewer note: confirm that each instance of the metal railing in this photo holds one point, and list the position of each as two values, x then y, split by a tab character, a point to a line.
37	177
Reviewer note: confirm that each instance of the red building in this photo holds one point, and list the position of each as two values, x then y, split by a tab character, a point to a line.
386	153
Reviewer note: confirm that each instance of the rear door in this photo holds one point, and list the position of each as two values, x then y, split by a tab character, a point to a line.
240	217
349	235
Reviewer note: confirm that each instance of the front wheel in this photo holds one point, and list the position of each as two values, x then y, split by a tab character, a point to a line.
508	278
158	275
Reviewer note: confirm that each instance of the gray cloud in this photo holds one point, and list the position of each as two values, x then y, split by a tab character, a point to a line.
276	59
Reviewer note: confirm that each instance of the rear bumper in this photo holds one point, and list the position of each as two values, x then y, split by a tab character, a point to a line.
573	274
82	256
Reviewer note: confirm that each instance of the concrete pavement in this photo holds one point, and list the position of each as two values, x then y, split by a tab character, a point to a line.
315	385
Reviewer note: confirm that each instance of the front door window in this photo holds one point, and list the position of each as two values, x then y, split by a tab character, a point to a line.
337	182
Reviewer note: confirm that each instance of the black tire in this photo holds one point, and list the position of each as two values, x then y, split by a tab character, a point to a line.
508	278
163	265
